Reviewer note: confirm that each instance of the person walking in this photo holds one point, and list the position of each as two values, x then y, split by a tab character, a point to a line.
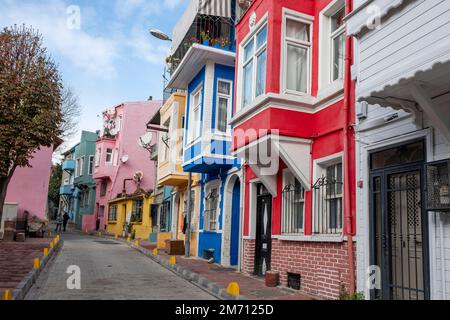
66	218
59	222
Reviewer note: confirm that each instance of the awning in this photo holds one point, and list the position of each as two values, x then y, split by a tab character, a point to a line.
295	153
220	8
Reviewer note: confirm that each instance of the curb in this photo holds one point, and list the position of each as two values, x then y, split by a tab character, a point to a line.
25	285
207	285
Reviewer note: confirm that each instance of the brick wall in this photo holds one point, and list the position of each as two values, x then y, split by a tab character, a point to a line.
323	266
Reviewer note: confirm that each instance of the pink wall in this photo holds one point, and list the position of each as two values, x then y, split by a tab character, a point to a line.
135	117
29	186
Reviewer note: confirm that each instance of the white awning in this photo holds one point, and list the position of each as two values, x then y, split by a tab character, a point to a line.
219	8
295	153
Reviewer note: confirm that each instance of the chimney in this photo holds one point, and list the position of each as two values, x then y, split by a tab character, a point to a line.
150	98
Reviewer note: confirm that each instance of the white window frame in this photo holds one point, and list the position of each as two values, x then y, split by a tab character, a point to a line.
302	18
326	46
289	179
81	173
229	97
77	167
98	157
91	165
320	169
165	135
110	162
194	133
207	221
252	36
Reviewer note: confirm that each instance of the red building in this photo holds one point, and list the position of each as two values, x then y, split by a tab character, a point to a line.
293	125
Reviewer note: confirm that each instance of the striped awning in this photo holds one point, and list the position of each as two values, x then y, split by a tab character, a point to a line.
219	8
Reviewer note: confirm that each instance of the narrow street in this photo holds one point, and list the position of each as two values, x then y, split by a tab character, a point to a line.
110	270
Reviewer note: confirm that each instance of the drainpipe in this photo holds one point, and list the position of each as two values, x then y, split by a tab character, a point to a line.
188	219
441	236
346	108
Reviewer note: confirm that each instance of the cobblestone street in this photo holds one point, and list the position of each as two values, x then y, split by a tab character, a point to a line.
110	270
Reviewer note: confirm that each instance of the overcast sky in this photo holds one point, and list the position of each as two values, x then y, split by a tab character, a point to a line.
109	57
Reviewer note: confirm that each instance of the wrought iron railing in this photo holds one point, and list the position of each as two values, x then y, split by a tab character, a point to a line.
293	209
327	206
208	30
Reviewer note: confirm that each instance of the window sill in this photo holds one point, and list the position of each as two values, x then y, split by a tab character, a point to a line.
311	238
330	91
112	222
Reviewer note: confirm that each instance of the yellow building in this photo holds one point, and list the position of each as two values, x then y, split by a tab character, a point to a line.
130	215
170	174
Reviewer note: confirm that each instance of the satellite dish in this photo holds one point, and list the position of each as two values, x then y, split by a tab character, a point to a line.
138	176
145	140
125	158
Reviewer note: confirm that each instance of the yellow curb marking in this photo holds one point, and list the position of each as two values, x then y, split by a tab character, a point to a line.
172	260
7	295
233	289
45	252
37	263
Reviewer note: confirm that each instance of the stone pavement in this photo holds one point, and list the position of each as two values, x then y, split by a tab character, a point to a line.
251	288
16	260
109	270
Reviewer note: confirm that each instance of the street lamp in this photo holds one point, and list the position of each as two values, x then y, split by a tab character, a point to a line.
160	35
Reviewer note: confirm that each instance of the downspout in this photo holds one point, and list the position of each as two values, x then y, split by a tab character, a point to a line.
441	236
346	108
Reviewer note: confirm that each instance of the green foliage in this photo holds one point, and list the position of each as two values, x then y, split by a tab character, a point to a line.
30	98
345	295
55	184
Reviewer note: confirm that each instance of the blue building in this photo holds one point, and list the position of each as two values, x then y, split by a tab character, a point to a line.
205	71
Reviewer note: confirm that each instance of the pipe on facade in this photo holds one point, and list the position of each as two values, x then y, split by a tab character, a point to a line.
441	236
346	108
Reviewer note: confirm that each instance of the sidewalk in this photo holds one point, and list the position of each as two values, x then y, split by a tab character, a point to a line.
251	288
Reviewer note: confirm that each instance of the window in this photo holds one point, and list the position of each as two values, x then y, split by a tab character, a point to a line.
101	211
103	188
86	198
293	206
116	157
109	156
98	156
194	122
223	109
119	122
297	47
210	214
254	67
338	45
91	166
328	197
77	167
166	141
81	173
112	214
136	215
164	217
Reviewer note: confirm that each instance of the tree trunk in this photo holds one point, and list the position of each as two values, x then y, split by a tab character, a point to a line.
4	181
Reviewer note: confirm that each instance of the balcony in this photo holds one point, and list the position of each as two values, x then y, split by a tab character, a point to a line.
66	190
68	165
210	23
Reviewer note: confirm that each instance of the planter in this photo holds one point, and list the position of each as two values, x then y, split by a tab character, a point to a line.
205	43
272	279
217	45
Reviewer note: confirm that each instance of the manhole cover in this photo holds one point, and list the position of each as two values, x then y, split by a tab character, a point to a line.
106	242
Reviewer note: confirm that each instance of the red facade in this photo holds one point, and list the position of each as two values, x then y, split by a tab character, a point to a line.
325	262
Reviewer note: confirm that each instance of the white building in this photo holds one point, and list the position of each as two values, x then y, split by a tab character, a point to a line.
402	73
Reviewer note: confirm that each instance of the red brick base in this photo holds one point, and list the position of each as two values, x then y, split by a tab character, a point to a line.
323	266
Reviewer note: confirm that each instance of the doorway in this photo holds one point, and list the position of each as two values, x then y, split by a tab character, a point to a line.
263	245
235	215
398	223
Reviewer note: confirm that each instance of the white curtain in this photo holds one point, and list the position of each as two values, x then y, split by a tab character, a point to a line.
297	56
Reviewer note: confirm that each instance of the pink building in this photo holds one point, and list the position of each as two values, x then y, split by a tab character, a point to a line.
29	185
119	157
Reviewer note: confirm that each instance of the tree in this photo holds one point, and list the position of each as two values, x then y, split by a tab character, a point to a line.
55	184
30	101
71	111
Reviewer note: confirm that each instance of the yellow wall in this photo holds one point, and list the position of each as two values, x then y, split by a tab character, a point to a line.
142	229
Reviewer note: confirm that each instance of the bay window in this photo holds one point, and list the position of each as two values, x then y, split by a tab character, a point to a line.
337	44
109	152
254	67
297	48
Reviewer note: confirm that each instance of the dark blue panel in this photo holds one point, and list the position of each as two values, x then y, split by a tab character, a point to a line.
210	240
235	215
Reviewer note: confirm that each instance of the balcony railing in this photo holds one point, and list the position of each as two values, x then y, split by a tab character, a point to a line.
208	30
68	165
327	204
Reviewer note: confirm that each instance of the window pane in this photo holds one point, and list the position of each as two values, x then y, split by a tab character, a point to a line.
338	56
222	114
248	51
297	68
248	75
261	74
297	30
224	87
261	38
337	20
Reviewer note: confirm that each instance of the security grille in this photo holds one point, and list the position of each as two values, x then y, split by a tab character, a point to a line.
293	207
327	206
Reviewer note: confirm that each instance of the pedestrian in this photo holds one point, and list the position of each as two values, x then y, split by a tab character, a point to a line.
59	222
66	218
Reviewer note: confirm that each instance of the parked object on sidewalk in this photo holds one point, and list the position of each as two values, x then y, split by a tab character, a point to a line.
175	247
272	279
9	215
20	237
37	226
